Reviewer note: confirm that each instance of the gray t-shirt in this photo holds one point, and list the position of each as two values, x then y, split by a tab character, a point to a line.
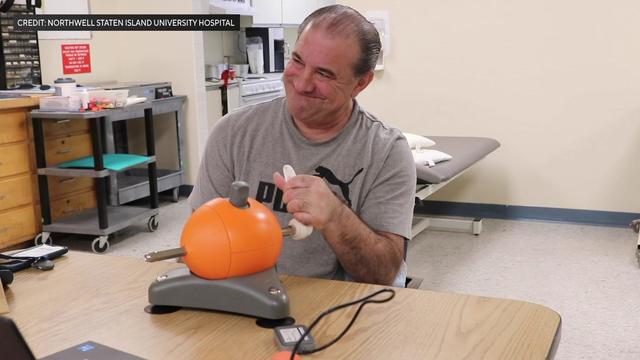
368	164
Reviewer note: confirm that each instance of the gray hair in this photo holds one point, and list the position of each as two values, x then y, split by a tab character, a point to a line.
341	20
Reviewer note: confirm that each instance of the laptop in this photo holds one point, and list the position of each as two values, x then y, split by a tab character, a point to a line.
15	347
11	341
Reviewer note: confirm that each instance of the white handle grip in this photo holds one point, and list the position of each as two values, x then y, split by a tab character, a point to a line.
288	172
301	230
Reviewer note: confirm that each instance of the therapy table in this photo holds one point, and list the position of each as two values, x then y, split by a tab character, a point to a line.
465	151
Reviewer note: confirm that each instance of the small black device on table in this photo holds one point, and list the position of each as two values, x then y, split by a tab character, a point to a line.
38	257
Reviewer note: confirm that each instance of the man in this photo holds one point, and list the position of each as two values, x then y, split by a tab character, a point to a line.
356	176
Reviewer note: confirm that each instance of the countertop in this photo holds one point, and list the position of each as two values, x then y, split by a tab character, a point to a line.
216	84
213	84
18	102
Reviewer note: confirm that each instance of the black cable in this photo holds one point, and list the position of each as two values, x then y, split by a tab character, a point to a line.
365	300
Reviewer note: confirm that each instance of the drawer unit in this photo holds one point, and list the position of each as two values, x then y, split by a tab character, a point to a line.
14	126
67	148
18	221
60	186
15	191
14	159
72	204
62	127
17	225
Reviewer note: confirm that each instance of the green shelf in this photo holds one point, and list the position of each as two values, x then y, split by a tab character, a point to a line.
115	162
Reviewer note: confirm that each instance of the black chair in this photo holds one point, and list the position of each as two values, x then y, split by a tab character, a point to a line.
411	282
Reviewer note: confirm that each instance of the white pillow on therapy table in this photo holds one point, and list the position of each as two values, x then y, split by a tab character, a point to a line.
429	157
418	141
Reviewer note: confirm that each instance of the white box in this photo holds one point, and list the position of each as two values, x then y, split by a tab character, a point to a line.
60	103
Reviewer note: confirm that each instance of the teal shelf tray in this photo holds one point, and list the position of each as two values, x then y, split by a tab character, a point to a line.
115	162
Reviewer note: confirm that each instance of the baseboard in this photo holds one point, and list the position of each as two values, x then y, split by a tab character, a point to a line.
511	212
508	212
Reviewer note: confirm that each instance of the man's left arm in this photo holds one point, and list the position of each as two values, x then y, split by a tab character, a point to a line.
365	254
369	246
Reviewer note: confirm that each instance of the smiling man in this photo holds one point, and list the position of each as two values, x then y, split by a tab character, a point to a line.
356	179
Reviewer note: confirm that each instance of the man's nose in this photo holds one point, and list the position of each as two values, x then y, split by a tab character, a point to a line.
304	82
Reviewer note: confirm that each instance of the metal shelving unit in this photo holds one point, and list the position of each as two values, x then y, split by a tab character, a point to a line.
132	184
19	55
103	220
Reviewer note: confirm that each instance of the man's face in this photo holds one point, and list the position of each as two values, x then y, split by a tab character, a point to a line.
319	79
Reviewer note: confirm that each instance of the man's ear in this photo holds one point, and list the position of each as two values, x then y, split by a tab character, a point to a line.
362	83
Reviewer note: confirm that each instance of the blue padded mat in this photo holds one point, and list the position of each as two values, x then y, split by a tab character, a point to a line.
114	162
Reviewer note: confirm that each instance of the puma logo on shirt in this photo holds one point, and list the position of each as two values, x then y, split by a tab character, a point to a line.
327	174
268	192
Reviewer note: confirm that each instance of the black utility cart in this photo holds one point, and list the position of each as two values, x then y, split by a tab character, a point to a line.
105	219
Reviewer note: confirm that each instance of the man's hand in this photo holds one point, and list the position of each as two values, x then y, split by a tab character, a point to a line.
366	255
309	199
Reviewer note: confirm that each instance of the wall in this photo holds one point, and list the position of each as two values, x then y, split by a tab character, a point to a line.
556	82
103	66
130	56
218	44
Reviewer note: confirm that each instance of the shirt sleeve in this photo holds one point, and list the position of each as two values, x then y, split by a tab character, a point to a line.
215	174
390	201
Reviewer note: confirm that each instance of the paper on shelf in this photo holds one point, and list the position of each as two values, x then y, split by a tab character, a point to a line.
135	100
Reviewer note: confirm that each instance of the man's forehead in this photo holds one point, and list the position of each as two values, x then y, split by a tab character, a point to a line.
332	32
325	48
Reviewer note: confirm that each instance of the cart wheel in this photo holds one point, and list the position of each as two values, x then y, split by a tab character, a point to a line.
152	224
635	225
175	194
99	248
43	238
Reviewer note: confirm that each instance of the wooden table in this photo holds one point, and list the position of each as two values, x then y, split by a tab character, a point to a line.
101	298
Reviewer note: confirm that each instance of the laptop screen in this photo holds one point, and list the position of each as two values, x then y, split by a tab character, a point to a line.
12	343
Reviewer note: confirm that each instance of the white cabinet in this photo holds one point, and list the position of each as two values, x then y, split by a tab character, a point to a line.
294	11
214	107
323	3
267	12
233	98
231	7
285	12
214	103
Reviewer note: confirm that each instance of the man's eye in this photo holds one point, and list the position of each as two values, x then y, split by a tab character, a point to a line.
325	75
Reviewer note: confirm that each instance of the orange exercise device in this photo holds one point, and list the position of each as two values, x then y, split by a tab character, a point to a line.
222	240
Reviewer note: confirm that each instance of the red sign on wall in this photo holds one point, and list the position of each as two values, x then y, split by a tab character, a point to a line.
76	58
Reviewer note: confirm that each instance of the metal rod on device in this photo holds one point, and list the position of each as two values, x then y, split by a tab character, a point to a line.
164	254
288	231
296	230
179	252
